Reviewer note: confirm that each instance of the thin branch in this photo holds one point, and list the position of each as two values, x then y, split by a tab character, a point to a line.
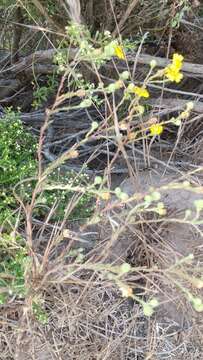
125	17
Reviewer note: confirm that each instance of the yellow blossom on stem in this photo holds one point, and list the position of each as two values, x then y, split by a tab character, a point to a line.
172	74
178	60
156	129
119	52
141	91
172	71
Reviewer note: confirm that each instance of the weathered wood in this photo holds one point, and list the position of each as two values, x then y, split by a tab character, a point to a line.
176	104
46	57
72	119
189	68
41	57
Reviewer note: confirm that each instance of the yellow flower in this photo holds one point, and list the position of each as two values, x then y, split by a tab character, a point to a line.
141	91
178	61
172	71
119	52
156	129
173	74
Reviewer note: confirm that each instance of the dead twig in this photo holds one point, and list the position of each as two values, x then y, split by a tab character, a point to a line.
125	17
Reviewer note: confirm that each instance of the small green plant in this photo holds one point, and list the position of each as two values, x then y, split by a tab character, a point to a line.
184	6
62	198
13	265
17	159
42	93
39	313
17	148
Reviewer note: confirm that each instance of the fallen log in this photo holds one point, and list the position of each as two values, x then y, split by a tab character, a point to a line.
47	56
175	104
74	120
190	69
39	57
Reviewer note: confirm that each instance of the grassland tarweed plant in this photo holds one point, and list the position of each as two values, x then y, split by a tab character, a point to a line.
47	250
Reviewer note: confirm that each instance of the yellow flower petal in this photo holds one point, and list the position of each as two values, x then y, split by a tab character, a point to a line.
141	91
178	57
173	74
156	129
172	71
177	61
119	52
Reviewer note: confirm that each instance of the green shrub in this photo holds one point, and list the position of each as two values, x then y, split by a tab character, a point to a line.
17	149
42	93
17	159
18	162
12	272
82	206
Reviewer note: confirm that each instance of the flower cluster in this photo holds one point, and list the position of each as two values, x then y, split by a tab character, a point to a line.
156	129
140	91
172	71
